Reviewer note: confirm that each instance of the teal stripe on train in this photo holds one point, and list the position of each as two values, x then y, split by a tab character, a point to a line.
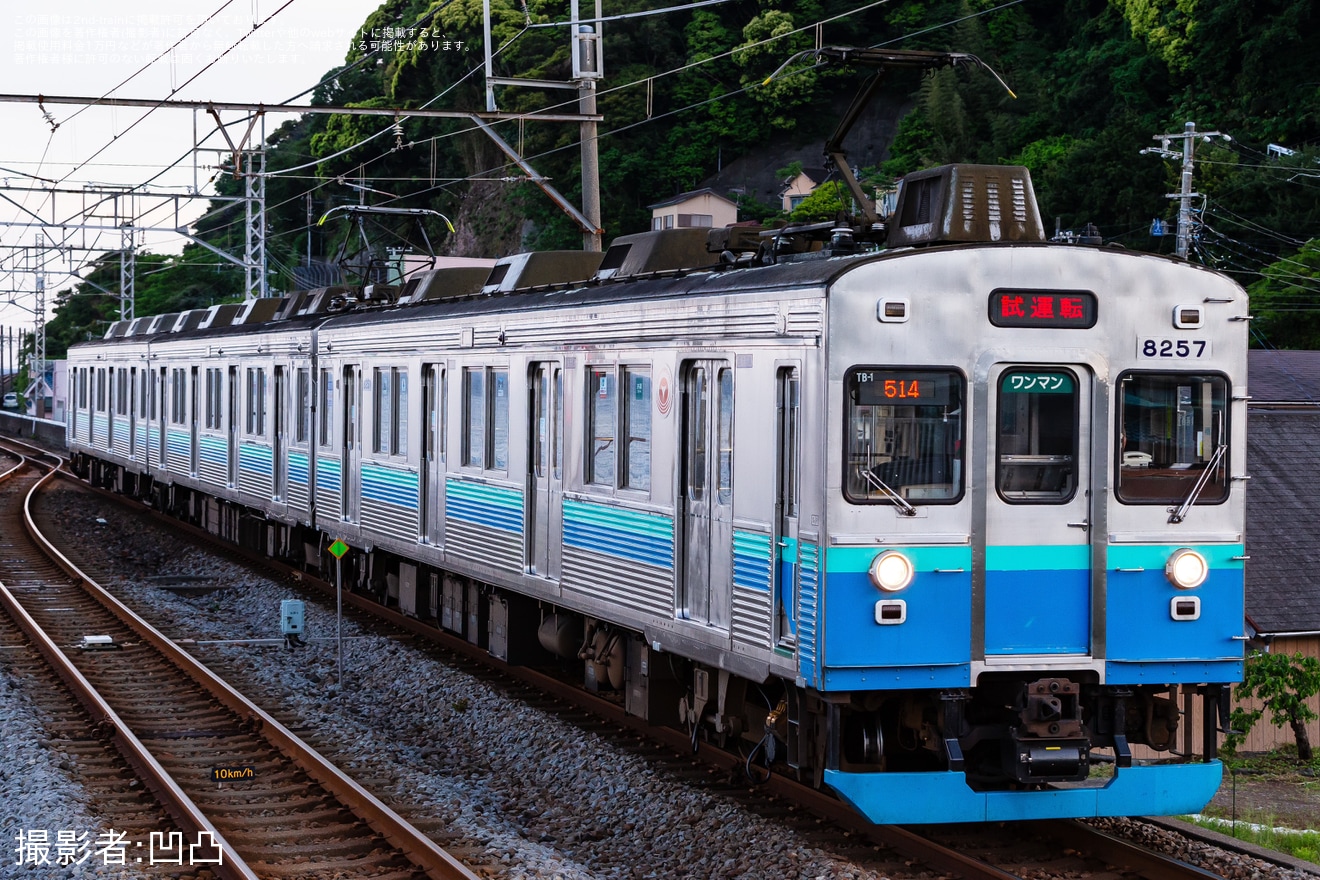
495	507
389	485
617	531
256	459
298	468
328	474
213	450
1038	557
809	613
751	560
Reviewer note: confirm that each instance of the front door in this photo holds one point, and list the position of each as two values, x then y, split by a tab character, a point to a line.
706	493
545	478
1038	511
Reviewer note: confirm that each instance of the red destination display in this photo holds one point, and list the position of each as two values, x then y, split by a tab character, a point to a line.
1043	308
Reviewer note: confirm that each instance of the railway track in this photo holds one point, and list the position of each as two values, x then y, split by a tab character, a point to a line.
245	798
1040	849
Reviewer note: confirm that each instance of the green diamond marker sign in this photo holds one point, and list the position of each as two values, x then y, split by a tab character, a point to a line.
338	549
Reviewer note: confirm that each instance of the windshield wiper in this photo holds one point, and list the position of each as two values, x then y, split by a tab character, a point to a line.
1179	513
904	507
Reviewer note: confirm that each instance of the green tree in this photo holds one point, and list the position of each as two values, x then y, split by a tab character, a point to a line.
824	203
1284	685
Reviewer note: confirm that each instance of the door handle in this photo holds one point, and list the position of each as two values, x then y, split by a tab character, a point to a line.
1083	525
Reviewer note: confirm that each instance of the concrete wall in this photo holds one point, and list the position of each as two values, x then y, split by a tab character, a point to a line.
43	431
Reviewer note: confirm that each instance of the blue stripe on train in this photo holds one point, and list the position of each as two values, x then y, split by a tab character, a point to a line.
494	507
390	485
614	531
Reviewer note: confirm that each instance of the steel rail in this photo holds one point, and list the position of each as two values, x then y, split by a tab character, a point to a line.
185	812
926	851
1102	846
436	862
1117	851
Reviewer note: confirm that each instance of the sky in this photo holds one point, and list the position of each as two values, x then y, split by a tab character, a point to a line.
87	48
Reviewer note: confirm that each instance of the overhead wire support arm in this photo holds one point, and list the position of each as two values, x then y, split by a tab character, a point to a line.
323	109
541	181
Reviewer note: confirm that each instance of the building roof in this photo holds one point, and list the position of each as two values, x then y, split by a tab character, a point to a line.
1283	519
1284	377
696	193
815	175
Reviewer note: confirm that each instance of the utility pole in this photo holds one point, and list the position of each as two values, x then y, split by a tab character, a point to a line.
584	45
1184	195
586	70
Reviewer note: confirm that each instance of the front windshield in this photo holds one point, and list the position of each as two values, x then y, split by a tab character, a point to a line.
1170	427
903	433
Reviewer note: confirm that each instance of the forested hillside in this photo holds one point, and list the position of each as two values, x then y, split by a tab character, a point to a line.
685	96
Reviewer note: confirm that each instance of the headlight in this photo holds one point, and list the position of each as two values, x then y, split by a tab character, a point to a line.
891	571
1186	569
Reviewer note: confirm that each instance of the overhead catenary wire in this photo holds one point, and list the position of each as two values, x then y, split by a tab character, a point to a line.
186	83
572	145
487	173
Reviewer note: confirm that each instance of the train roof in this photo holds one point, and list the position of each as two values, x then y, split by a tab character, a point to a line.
809	271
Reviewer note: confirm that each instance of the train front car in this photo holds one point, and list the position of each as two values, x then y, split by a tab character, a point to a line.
1034	537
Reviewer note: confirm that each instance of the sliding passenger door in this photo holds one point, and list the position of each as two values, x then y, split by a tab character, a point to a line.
432	526
545	487
234	419
279	442
787	488
133	439
352	458
193	421
706	493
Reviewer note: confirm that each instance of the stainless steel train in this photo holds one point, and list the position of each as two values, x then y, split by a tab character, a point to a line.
949	523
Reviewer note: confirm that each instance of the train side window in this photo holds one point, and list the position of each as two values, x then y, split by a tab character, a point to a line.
1173	428
486	418
302	429
179	397
1037	440
903	435
724	490
600	426
384	406
556	434
214	396
440	429
144	393
400	433
327	407
256	402
474	416
121	393
636	428
499	420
